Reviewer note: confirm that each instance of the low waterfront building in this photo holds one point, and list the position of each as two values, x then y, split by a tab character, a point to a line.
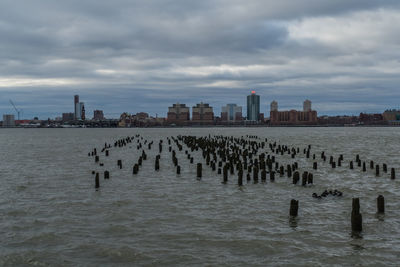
8	120
293	117
68	117
98	115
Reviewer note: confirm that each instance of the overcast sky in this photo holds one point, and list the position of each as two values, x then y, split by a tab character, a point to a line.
133	56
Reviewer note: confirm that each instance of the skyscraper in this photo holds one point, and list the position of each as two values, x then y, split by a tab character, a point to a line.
253	106
76	107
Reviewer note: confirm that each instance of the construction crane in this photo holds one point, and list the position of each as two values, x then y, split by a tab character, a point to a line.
17	110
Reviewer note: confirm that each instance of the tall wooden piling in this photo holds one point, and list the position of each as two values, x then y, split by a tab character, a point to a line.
380	201
294	207
392	174
97	180
356	218
199	170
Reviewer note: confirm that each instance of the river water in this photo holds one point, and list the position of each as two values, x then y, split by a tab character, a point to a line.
51	214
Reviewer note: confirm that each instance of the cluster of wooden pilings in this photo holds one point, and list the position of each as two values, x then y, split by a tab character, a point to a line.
247	159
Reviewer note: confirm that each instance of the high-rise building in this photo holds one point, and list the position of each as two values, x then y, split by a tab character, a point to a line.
202	113
253	106
307	105
231	113
98	115
8	120
178	113
76	107
82	111
274	106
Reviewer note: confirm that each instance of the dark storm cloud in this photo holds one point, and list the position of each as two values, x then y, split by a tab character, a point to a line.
145	55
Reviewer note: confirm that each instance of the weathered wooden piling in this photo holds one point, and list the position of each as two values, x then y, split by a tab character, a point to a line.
384	167
310	178
157	165
371	164
392	174
135	168
106	175
296	177
119	163
356	218
294	208
107	153
315	165
380	201
178	169
96	159
225	174
97	180
199	170
364	168
271	175
351	165
240	178
377	170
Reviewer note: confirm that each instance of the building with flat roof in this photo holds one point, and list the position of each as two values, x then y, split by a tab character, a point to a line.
8	120
98	115
68	117
178	114
293	117
202	113
231	113
253	107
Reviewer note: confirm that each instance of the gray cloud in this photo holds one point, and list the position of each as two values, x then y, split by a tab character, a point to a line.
145	55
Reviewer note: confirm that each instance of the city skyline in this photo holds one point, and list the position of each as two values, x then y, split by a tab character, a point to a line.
132	56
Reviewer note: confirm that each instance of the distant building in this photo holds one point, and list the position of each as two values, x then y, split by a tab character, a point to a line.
371	119
391	115
8	120
231	113
274	106
202	113
82	110
253	106
68	117
79	109
98	115
178	114
307	105
76	107
293	117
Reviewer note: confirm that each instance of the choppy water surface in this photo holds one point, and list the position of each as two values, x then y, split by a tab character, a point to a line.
51	215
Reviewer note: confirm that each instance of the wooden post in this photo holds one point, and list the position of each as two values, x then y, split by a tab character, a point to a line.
97	180
351	165
271	175
294	207
315	165
380	201
364	168
178	169
199	170
225	174
377	170
392	175
356	218
384	167
240	177
106	175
